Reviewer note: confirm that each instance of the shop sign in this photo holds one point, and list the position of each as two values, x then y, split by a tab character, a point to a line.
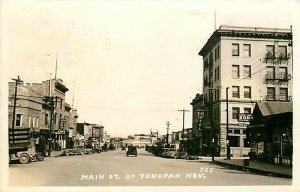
243	124
60	132
245	117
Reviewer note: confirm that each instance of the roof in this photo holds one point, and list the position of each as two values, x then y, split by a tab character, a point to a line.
244	32
274	108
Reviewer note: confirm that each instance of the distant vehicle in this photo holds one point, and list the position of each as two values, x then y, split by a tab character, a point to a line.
131	151
192	157
104	147
97	150
76	151
169	152
180	155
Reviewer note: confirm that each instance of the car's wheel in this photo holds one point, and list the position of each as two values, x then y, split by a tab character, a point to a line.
67	154
40	157
24	158
82	152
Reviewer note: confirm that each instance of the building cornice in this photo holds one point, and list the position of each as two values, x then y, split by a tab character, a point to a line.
245	32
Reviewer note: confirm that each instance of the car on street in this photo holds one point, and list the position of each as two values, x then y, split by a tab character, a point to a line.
97	150
76	151
131	150
168	152
180	155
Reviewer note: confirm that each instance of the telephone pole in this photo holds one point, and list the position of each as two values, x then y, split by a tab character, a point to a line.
168	124
18	80
227	117
182	135
212	124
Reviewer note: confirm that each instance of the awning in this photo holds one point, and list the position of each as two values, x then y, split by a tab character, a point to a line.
275	107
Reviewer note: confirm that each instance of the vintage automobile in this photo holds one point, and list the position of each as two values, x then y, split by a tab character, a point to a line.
131	150
97	150
180	155
76	151
168	152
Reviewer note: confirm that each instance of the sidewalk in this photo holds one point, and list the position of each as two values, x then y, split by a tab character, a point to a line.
257	166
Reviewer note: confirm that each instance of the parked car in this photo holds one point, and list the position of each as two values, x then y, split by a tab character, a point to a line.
180	155
131	150
74	151
97	150
192	157
168	152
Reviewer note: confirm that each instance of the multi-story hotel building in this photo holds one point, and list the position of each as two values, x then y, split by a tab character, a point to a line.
254	64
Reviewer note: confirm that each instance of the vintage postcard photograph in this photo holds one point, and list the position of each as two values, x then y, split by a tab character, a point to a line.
144	95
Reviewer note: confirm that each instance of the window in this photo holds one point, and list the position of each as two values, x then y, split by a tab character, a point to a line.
37	122
270	72
33	121
55	117
217	94
218	73
247	110
282	72
235	112
211	58
270	51
46	119
235	49
282	52
236	131
215	74
29	121
270	93
18	120
283	94
205	64
236	91
247	50
235	71
218	51
247	92
247	71
216	55
234	141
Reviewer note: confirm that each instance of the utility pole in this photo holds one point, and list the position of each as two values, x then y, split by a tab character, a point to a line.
168	124
212	125
227	117
182	135
18	80
49	100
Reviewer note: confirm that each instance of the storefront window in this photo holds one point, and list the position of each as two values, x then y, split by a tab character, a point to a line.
234	141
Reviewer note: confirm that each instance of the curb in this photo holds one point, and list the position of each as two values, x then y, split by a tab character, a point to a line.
254	170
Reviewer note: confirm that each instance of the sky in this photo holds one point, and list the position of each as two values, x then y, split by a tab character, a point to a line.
131	65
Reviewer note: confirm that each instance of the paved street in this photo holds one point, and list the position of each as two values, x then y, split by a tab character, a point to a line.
113	168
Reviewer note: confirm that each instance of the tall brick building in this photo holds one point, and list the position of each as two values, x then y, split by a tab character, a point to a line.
32	111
